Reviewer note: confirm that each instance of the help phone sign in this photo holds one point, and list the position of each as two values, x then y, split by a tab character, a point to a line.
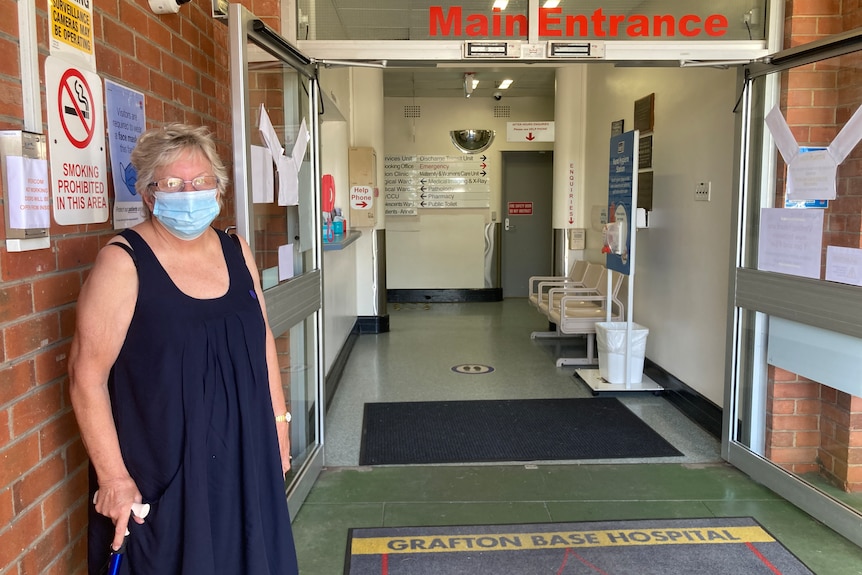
361	197
76	138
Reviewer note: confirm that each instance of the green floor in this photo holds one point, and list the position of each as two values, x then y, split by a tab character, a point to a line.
458	495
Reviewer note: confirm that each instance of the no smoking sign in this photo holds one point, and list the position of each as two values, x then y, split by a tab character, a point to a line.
77	114
76	136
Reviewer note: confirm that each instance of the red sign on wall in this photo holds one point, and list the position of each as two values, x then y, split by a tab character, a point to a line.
520	208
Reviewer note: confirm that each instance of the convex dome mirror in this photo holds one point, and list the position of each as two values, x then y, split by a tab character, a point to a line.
472	141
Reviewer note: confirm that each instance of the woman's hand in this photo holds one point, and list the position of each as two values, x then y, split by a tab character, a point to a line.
114	500
282	427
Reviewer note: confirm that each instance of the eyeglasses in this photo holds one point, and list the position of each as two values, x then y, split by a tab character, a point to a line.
178	184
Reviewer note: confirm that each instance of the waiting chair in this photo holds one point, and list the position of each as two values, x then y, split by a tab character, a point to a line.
575	279
594	276
578	314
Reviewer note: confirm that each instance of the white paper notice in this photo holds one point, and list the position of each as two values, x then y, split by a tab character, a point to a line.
784	140
790	241
848	137
812	175
300	145
28	196
288	182
262	176
285	262
844	265
270	137
287	167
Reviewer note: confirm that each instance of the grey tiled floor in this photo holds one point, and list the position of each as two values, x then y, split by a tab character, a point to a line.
413	362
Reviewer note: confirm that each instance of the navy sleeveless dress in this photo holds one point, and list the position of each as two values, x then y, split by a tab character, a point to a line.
191	402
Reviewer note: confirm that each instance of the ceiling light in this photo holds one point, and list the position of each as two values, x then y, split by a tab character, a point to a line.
500	4
551	4
504	84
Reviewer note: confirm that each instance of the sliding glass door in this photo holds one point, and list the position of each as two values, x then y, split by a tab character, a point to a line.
276	172
793	413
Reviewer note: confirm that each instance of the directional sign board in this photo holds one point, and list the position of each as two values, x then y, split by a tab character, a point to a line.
413	182
76	138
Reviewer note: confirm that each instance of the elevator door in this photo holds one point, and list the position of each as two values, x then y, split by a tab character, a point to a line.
527	191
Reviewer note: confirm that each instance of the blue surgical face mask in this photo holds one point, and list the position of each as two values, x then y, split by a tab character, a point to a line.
186	215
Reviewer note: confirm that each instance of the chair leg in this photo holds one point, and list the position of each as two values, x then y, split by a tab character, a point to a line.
561	361
546	335
589	360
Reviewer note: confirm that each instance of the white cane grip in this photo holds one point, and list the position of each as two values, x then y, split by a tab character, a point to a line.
141	509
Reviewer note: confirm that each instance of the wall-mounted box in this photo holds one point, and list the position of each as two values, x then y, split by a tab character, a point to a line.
577	238
27	205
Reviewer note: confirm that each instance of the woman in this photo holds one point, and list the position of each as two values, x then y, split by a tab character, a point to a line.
175	382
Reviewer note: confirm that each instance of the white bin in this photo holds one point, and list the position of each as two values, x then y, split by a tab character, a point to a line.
611	344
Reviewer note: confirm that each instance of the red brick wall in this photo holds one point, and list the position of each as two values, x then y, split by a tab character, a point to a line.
840	452
792	421
809	20
180	62
814	428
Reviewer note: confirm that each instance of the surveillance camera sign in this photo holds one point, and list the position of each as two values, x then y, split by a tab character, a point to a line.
72	31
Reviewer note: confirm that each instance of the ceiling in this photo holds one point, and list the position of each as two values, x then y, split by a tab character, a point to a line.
447	82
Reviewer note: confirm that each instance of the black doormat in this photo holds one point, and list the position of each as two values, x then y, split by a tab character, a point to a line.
717	546
506	430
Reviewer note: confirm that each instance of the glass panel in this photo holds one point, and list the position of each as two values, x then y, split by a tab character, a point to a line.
284	96
813	240
299	376
798	397
627	20
806	427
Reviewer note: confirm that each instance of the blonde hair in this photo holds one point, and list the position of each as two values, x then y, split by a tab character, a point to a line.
159	147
